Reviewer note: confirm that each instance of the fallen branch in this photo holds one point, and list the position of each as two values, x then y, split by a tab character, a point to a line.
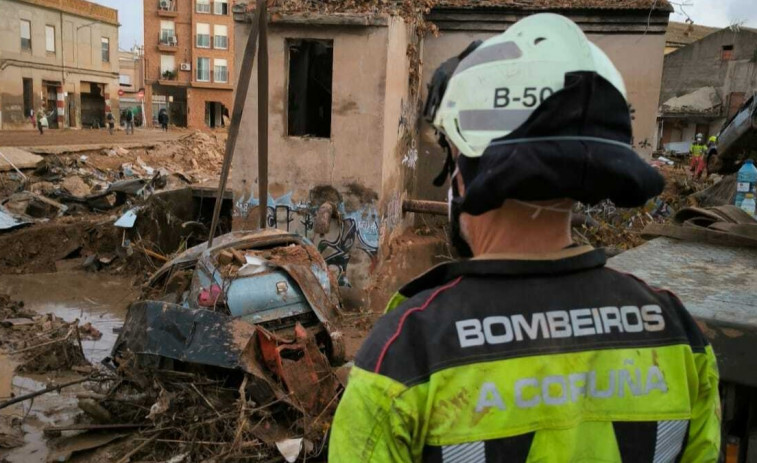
32	395
93	427
154	255
54	341
136	449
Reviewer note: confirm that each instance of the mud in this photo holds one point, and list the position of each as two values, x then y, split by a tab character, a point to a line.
99	299
96	298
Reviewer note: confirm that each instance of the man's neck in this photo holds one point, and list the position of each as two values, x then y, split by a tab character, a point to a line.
515	229
522	241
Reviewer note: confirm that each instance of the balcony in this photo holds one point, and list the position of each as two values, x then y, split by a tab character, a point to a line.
168	43
167	9
169	77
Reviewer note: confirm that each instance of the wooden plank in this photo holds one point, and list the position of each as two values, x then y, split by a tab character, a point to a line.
698	234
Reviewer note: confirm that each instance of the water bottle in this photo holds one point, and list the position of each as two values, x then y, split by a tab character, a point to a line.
748	204
746	181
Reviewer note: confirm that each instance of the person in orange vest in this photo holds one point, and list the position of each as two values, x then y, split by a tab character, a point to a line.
698	150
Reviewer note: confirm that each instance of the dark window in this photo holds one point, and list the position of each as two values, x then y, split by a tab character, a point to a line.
26	35
727	53
28	97
311	65
704	129
105	49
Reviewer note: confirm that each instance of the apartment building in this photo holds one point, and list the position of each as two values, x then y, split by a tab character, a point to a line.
131	81
189	55
60	55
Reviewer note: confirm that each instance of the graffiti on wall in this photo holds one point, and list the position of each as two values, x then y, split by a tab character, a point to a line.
349	233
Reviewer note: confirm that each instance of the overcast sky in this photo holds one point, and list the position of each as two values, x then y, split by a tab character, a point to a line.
716	13
130	17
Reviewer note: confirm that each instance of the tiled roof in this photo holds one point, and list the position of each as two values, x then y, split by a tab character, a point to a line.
559	4
683	34
336	5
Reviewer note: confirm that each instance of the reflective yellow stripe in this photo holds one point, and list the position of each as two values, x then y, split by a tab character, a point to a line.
510	397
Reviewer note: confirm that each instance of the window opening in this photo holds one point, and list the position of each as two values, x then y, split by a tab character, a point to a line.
311	65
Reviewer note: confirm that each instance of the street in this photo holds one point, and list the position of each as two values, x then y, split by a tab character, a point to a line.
67	137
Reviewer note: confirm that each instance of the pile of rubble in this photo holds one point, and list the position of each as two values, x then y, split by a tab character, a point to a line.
42	343
66	205
617	229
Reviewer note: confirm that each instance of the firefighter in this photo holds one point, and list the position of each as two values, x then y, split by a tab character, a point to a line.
532	350
698	150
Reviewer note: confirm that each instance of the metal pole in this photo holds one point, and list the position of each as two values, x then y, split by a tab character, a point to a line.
424	207
263	116
245	73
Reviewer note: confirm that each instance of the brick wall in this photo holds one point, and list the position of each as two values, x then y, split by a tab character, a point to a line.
185	26
196	98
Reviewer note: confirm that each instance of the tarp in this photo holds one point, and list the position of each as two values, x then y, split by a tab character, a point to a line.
10	221
194	336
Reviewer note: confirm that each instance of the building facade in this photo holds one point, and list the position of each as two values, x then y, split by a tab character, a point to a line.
60	55
705	83
131	82
344	128
189	60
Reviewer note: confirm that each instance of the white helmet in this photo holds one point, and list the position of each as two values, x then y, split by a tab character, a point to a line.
497	87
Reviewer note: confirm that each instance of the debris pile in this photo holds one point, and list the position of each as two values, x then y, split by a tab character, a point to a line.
221	415
70	202
618	229
41	343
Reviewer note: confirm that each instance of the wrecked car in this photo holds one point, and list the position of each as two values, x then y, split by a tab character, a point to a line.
262	303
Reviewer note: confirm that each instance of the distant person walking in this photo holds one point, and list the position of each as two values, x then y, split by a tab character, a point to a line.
129	122
163	119
41	120
32	119
111	121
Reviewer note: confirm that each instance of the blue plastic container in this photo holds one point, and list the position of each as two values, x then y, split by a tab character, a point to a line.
746	182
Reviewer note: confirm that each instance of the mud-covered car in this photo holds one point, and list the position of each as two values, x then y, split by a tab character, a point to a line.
252	300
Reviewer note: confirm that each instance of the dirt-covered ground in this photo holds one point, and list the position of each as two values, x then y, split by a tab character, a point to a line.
69	273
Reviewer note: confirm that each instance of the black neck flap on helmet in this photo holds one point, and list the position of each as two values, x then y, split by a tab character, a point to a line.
436	90
574	145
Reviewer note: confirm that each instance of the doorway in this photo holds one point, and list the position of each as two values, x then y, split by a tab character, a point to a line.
214	114
51	104
28	97
92	106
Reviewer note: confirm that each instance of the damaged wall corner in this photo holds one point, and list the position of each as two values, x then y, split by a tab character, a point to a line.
352	167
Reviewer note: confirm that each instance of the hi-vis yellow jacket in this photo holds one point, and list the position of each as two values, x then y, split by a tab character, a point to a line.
559	360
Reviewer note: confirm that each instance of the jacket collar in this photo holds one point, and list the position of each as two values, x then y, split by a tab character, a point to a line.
570	260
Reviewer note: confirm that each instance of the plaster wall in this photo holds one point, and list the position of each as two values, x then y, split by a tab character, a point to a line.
306	172
701	65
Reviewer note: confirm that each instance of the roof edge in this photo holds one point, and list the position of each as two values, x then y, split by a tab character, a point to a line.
80	8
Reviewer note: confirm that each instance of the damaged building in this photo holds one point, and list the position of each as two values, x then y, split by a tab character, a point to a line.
705	83
345	137
59	55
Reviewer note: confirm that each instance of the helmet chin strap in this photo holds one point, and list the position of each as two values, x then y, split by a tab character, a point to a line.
537	212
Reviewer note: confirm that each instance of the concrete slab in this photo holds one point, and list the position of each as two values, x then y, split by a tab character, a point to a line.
717	285
20	158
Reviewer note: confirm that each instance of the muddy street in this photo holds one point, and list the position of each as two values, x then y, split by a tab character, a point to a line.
97	299
84	137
